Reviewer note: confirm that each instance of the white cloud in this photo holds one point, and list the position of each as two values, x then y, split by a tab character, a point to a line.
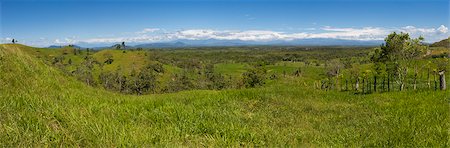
368	33
362	33
6	40
250	35
412	29
425	31
148	30
365	33
442	29
66	41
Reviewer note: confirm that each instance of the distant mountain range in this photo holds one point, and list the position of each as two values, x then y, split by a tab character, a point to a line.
56	46
302	42
214	42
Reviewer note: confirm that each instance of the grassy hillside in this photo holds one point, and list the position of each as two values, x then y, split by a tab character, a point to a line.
442	43
42	106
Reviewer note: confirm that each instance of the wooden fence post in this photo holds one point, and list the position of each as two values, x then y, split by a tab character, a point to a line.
442	83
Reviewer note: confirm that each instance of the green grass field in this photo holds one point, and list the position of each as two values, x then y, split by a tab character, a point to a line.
42	106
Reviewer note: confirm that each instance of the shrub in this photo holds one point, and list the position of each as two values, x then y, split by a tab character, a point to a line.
254	77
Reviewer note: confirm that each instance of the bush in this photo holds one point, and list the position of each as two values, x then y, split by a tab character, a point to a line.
254	77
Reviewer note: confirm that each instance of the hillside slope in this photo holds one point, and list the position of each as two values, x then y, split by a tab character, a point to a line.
40	106
442	43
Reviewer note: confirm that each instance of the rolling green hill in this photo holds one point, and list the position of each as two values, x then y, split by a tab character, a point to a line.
42	106
442	43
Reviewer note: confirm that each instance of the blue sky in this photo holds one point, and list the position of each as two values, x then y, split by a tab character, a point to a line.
43	23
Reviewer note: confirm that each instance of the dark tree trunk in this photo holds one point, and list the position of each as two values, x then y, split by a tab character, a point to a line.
428	78
363	85
374	83
415	81
401	86
435	82
346	85
389	83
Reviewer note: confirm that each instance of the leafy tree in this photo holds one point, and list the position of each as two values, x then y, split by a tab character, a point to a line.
218	81
355	74
396	53
180	82
117	46
84	72
254	76
119	80
379	71
157	67
107	80
147	79
334	70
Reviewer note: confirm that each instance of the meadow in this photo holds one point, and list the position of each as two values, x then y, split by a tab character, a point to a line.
45	102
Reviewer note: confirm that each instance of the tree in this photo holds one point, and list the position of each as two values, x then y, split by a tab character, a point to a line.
84	72
107	80
157	67
147	77
415	50
142	82
366	81
14	41
355	73
131	85
379	67
380	71
334	69
180	82
119	80
254	77
396	54
117	46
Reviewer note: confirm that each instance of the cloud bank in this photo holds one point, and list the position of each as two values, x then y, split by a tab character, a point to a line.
151	35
